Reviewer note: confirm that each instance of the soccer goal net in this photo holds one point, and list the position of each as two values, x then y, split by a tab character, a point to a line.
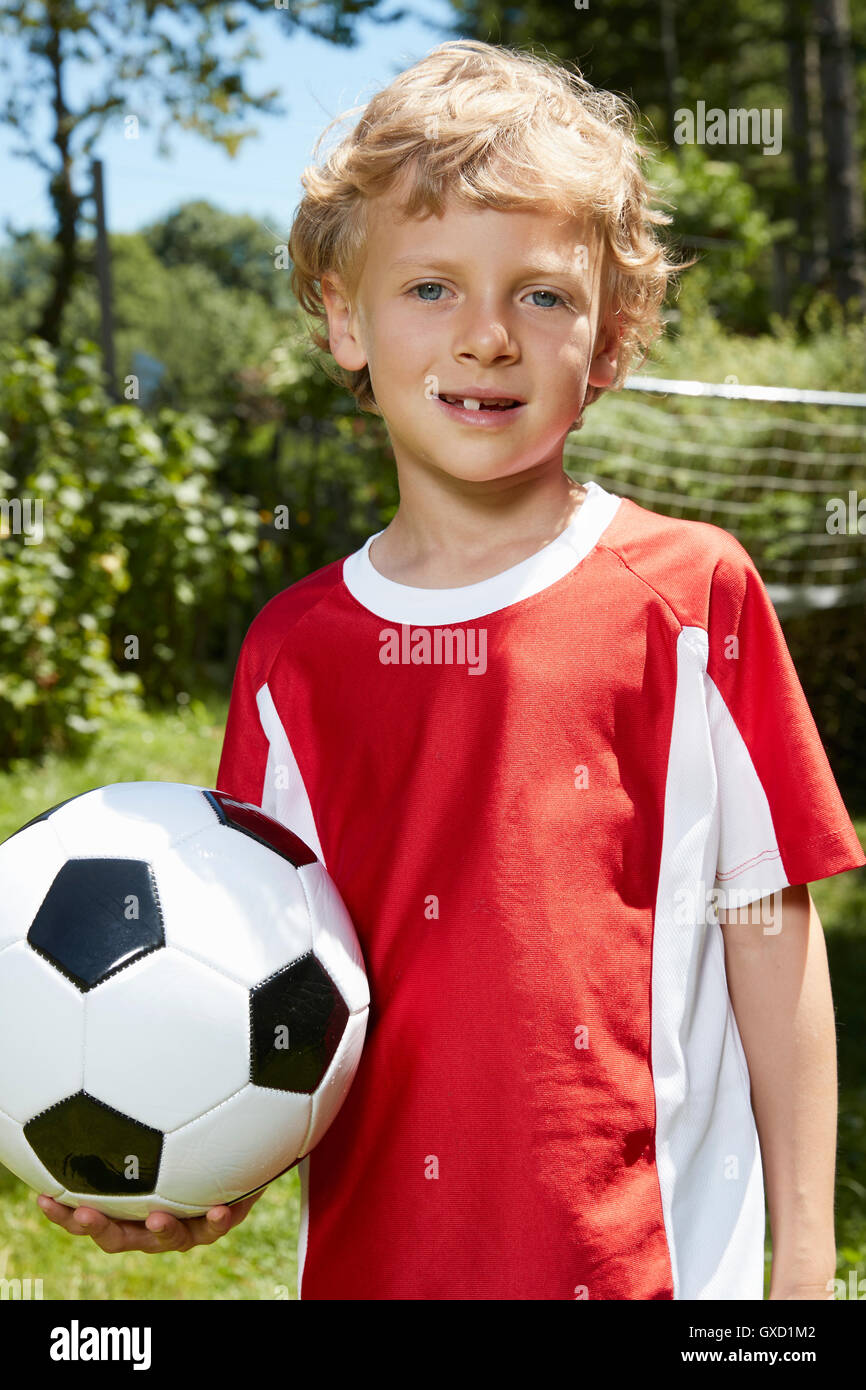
781	469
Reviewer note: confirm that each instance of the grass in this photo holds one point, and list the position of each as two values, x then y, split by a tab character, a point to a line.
258	1259
140	747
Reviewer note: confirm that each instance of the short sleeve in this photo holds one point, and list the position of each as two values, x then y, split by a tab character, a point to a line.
781	816
258	763
244	759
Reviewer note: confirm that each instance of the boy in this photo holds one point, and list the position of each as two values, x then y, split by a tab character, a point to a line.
537	734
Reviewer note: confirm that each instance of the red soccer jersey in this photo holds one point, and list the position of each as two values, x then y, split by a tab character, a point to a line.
530	792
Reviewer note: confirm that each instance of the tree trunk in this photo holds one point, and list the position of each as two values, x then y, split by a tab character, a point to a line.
803	203
671	56
66	203
839	122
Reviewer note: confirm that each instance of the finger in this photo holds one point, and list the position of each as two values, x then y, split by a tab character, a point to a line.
238	1210
204	1230
166	1232
68	1217
241	1209
158	1233
107	1233
114	1237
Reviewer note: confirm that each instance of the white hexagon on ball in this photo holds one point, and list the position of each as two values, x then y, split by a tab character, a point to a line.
165	1039
42	1025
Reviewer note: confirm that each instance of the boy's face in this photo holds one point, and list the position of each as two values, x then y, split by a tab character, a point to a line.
508	301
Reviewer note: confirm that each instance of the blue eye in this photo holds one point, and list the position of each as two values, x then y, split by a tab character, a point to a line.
435	285
550	294
426	285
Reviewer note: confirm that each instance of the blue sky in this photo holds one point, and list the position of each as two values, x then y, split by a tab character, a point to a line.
317	81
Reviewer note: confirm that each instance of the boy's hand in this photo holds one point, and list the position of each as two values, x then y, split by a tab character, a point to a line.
161	1231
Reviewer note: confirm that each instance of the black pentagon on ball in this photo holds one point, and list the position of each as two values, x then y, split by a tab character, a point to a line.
98	916
297	1018
90	1147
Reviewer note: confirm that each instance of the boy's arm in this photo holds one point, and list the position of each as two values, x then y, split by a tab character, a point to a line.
779	985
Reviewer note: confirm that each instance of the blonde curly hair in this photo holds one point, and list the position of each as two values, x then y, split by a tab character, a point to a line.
496	128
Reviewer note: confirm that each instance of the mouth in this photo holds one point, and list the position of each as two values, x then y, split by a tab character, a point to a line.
481	414
476	403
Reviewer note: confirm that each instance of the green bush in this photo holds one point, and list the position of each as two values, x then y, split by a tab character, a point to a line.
308	455
718	218
138	557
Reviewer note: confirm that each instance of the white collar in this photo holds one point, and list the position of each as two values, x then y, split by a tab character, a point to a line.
402	603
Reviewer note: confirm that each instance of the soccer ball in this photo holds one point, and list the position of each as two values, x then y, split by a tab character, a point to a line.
183	1000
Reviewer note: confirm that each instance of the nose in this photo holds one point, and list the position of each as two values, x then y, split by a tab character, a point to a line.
484	336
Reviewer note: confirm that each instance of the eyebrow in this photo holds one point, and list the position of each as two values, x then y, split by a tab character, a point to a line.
445	267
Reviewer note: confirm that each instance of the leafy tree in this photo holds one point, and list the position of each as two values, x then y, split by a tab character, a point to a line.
238	250
803	57
149	64
719	214
212	271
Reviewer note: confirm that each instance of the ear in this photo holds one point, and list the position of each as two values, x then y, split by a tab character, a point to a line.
343	332
602	369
